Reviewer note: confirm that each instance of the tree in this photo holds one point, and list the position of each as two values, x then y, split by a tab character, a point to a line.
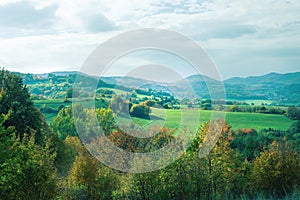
83	173
63	123
140	110
221	169
15	100
149	103
295	127
276	170
106	120
27	171
120	106
293	112
87	179
69	93
141	186
247	142
115	104
7	138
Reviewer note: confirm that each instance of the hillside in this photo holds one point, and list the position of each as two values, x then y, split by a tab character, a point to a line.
278	88
272	78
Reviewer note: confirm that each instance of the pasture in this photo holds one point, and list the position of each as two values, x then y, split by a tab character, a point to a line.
238	120
189	118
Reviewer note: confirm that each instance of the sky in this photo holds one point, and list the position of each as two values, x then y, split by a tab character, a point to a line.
242	38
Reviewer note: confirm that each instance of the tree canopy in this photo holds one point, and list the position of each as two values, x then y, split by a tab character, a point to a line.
15	101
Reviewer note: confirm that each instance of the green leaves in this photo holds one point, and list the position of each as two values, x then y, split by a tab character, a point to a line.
27	171
15	99
140	110
276	170
63	123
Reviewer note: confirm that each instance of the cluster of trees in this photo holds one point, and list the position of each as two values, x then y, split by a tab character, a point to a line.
60	86
104	93
41	162
27	145
154	93
293	113
243	164
255	109
226	173
52	86
204	104
141	109
167	102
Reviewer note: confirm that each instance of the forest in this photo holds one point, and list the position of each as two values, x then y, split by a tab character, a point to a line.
41	160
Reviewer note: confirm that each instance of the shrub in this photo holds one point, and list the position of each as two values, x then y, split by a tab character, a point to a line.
140	110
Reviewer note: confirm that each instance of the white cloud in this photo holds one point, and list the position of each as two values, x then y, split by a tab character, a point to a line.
5	2
48	53
23	15
59	34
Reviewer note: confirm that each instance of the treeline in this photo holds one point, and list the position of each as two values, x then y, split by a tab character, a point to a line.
255	109
42	162
293	112
60	86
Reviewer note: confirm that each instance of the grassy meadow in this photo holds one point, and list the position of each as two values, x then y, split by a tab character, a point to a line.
238	120
172	118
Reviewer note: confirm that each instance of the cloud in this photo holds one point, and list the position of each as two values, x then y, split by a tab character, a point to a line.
99	23
83	17
25	15
27	18
62	52
242	37
255	54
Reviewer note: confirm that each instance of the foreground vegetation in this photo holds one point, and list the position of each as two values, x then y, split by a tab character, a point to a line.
42	162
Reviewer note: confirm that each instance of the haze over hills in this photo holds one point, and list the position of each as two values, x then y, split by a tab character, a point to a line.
279	88
282	88
271	78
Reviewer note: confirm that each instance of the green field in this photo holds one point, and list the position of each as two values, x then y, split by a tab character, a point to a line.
173	117
121	92
236	120
258	121
53	103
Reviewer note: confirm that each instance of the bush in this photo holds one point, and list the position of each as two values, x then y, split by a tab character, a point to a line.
293	113
276	170
140	110
295	127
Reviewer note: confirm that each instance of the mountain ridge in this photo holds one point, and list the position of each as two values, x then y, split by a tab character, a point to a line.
235	78
279	88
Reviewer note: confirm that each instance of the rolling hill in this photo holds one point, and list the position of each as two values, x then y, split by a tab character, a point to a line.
278	88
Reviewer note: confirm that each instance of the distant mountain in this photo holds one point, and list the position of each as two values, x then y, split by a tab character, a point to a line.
279	88
128	81
58	73
64	73
272	78
196	86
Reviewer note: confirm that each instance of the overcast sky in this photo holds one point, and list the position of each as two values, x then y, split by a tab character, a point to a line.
241	37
